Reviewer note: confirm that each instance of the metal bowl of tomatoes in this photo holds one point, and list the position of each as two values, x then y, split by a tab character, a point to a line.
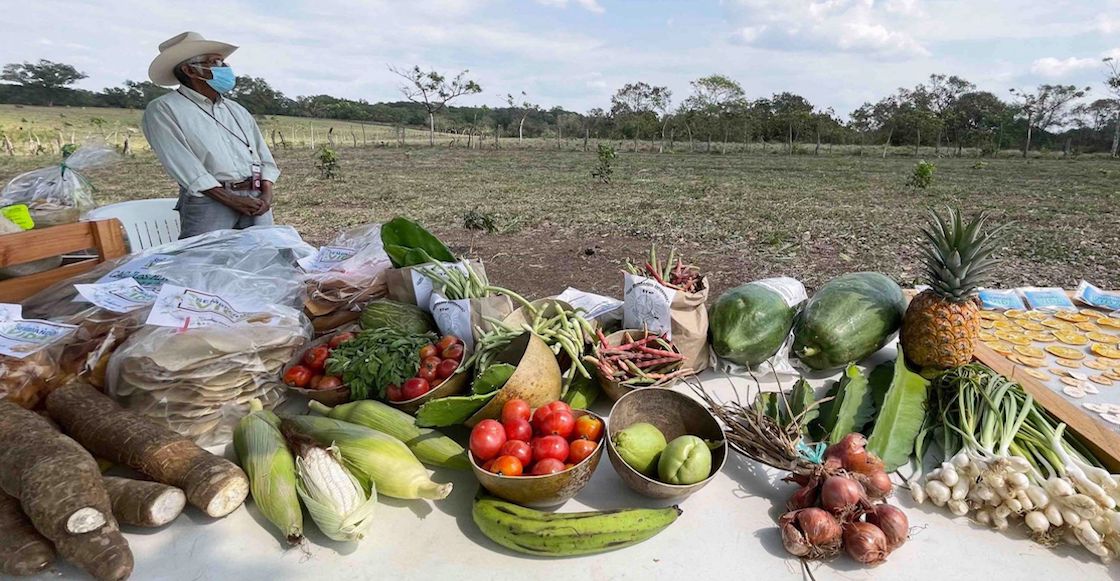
441	374
306	373
538	459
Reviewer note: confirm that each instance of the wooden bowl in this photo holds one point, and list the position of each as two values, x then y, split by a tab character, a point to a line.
614	389
453	385
330	397
675	414
541	491
536	379
550	307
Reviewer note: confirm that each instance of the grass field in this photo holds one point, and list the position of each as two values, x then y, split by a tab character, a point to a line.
739	217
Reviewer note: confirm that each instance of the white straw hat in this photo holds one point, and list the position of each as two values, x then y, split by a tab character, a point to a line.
179	48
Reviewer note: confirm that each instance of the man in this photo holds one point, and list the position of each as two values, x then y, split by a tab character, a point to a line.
207	143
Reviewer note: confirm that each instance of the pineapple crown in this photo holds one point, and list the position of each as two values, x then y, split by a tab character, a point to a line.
959	256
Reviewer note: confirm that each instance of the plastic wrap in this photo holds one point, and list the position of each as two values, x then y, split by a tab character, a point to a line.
344	276
793	293
59	194
29	354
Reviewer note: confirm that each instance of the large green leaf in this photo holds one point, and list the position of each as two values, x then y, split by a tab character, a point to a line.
409	244
493	378
901	416
850	409
450	411
802	399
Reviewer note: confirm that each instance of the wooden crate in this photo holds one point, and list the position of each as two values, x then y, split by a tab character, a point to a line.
105	237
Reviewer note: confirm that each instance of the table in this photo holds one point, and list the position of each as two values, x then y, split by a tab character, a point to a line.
727	531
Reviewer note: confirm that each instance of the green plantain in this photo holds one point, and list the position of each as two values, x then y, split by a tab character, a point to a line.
567	534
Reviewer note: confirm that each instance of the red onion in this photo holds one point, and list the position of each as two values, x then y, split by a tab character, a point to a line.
810	532
866	543
852	455
877	484
841	495
805	497
893	523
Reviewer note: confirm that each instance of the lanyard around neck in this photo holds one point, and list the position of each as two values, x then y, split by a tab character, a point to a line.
244	140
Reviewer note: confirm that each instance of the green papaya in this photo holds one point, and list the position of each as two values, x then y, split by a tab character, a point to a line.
748	324
850	317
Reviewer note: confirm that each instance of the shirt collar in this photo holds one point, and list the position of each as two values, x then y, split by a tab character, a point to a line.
198	97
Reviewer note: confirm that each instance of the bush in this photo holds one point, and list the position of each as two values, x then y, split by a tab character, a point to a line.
923	175
475	220
328	164
603	171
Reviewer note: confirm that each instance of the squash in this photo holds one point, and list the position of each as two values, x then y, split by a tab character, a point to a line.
851	317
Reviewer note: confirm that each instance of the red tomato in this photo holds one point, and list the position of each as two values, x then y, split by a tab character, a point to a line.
580	450
487	438
548	466
297	376
519	450
550	447
542	412
428	351
393	392
446	368
414	388
488	465
447	341
339	339
507	466
329	382
589	428
453	352
428	369
559	423
518	430
314	383
515	409
316	357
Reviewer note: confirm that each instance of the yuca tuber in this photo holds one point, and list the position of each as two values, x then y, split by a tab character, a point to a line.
103	554
211	483
56	481
23	551
142	503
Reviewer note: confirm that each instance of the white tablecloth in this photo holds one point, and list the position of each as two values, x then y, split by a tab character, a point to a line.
727	531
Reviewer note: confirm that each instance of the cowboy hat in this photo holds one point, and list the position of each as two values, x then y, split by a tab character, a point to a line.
179	48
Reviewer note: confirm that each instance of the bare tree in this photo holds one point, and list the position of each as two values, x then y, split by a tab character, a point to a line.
1045	107
432	90
523	111
1112	81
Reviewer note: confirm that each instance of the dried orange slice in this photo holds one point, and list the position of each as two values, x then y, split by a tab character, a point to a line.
1028	351
1109	322
986	324
991	315
1103	338
1041	336
1098	365
1015	314
1004	324
1065	352
1070	338
1038	315
1105	351
1036	373
1000	347
1059	372
1087	326
985	336
1056	324
1030	325
1090	312
1028	361
1070	363
1071	316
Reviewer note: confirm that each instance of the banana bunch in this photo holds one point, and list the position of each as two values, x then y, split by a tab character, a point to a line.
567	534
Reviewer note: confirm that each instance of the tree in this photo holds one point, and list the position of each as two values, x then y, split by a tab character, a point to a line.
432	90
256	95
714	98
45	76
975	114
637	104
1112	81
943	92
1045	107
793	113
522	112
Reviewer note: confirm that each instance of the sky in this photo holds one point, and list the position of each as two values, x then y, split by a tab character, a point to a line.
576	53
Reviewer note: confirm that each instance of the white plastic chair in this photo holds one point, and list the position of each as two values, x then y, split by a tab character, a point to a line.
147	223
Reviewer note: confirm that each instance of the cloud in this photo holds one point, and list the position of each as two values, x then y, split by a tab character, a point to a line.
1105	24
590	5
1056	68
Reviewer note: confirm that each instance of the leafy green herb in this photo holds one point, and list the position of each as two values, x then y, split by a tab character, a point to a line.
375	358
409	244
451	411
901	416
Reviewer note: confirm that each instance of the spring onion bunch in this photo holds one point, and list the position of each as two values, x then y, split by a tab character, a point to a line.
1006	459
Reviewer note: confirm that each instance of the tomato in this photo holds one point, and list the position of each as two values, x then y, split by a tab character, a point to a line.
550	447
298	376
580	450
447	341
316	357
446	368
487	438
414	388
393	392
488	465
559	423
330	382
428	351
515	409
507	466
314	383
519	450
427	370
589	428
339	339
453	352
518	430
548	466
542	412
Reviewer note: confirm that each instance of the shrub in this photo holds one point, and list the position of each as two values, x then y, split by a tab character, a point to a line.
475	220
603	171
328	164
923	175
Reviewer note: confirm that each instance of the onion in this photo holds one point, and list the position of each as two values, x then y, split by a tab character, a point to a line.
866	543
805	497
810	532
893	523
877	484
841	495
852	455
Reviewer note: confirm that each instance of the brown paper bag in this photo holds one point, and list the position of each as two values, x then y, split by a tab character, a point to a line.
401	287
648	305
689	313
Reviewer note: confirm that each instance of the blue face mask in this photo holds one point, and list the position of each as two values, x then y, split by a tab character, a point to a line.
223	81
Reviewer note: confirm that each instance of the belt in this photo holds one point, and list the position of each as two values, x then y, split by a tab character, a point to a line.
244	185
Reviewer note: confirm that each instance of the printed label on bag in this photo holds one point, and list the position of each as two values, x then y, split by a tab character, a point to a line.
121	296
327	258
1093	296
422	285
140	270
1000	300
181	307
791	289
22	337
646	305
10	312
1051	298
593	305
453	318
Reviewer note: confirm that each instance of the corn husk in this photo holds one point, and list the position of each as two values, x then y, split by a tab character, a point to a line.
376	459
339	504
271	468
429	446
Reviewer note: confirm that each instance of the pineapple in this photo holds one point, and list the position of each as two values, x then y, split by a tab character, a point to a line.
942	324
